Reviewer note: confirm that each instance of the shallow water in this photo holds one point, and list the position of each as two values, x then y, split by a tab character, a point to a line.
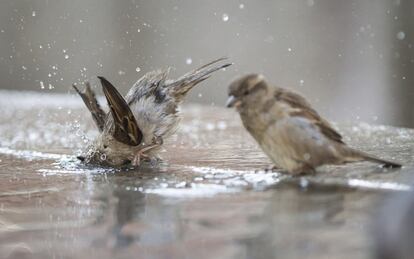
210	198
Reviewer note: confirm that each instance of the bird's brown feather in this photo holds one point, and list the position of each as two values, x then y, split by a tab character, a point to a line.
305	110
89	98
126	128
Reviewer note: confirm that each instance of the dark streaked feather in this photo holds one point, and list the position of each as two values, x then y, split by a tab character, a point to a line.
329	132
297	101
89	98
126	128
151	84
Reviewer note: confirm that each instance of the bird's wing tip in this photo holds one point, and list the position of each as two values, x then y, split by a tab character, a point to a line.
76	89
227	65
212	62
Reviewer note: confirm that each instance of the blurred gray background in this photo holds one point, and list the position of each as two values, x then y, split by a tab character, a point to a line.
353	59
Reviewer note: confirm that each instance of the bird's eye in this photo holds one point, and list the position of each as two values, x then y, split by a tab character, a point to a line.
105	146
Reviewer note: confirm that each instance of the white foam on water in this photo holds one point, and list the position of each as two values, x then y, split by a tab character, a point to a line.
195	191
31	155
378	185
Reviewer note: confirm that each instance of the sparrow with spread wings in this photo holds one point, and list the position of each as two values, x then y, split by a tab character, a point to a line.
137	125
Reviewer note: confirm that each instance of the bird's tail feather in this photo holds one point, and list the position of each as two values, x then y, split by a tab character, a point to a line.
355	155
182	85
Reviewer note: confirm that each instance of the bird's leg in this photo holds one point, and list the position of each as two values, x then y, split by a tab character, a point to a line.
156	142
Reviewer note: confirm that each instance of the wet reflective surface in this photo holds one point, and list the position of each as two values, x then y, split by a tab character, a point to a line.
211	198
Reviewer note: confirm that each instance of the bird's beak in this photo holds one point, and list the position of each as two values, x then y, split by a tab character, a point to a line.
81	158
232	102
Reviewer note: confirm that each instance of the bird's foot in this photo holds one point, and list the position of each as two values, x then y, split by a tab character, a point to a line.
272	168
303	170
141	153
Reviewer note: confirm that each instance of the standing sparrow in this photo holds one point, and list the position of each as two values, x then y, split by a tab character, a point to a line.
288	129
136	126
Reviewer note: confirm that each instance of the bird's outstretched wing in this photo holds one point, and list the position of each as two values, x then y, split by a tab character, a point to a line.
126	127
89	98
182	85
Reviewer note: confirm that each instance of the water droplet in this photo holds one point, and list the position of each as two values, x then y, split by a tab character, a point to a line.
225	17
34	13
222	125
269	39
301	82
139	30
401	35
49	75
188	61
310	2
290	49
66	56
397	54
200	95
210	126
24	68
121	73
42	85
138	69
241	6
304	183
180	185
51	86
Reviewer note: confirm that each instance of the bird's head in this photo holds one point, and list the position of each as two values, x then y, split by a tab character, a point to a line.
248	90
105	150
